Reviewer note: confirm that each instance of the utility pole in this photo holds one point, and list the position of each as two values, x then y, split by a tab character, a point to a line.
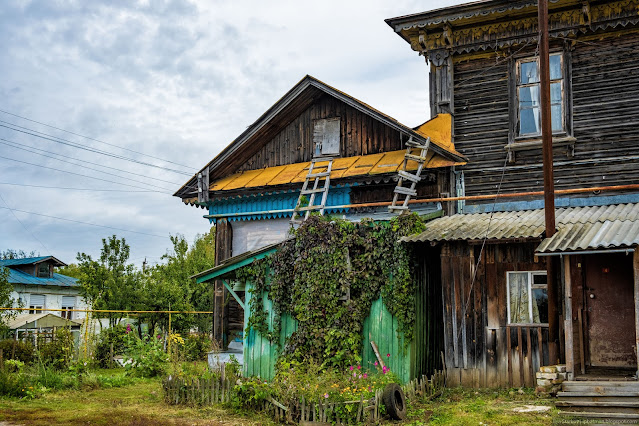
549	185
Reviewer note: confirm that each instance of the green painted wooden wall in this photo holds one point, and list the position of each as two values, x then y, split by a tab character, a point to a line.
380	326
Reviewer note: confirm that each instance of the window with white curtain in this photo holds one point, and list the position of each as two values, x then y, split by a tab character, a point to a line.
527	297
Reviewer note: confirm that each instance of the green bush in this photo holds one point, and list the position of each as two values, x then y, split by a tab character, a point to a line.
196	347
23	350
59	351
147	355
118	337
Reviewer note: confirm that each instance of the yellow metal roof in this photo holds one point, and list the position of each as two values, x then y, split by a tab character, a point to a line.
374	164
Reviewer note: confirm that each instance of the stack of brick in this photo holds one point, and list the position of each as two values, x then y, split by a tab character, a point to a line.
549	379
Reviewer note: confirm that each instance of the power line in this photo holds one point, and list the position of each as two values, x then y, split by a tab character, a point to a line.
23	225
82	189
56	139
77	174
84	223
94	139
22	146
85	167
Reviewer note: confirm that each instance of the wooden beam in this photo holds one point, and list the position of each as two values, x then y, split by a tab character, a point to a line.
635	264
233	293
568	323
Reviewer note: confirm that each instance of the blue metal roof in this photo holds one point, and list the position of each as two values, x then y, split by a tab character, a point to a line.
26	261
19	277
274	201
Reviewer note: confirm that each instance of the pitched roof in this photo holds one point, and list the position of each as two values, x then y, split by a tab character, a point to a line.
41	319
59	280
300	97
578	228
30	261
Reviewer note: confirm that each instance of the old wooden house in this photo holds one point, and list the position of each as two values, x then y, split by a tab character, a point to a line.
317	149
484	72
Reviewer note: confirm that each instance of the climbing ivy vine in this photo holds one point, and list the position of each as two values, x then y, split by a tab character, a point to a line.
327	278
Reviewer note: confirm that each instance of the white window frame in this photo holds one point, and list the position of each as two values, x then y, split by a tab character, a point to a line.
68	310
518	85
32	306
531	287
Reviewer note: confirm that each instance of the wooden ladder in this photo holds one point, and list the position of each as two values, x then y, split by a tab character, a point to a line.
317	177
414	179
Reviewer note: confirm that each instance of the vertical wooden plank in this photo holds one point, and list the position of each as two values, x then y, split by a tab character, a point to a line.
509	352
635	265
540	346
529	357
568	326
520	348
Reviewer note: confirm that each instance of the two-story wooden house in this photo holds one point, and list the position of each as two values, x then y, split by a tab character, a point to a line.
484	72
317	149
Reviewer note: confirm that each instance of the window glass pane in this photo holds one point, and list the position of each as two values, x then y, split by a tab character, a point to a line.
555	93
540	279
528	73
528	96
529	121
555	67
540	305
557	118
518	292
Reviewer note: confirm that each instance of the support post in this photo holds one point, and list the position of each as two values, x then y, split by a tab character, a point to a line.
635	264
568	323
223	250
549	185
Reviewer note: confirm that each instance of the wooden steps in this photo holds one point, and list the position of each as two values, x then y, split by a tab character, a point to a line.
599	400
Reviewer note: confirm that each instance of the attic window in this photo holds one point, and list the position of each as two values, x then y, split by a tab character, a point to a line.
43	271
326	134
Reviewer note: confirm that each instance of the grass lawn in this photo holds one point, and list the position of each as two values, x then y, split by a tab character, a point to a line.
141	403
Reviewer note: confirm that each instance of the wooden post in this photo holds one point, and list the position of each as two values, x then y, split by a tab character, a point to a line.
549	183
223	251
635	264
568	323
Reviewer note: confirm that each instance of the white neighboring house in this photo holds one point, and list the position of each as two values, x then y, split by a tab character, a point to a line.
38	286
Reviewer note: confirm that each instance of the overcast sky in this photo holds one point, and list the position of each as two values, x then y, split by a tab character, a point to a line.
176	81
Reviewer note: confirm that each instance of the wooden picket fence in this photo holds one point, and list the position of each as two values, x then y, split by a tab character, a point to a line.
201	391
424	387
198	391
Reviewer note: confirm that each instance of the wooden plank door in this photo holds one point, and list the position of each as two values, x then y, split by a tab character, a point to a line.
610	310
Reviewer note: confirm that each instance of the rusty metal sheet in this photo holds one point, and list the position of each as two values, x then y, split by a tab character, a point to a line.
363	165
289	173
242	180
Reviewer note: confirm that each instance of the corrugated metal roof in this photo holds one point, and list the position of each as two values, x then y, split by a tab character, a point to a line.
29	261
59	280
363	165
578	228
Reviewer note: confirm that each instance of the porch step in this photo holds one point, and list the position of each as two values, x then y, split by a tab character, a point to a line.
599	399
615	416
600	386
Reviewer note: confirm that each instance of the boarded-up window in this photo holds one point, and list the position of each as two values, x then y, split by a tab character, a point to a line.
36	301
326	136
68	303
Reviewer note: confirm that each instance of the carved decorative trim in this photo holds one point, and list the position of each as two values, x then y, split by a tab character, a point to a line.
438	57
584	18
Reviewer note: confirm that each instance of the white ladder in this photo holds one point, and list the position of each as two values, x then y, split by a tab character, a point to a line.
414	179
317	189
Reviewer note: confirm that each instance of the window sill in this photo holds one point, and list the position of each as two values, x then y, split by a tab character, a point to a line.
528	145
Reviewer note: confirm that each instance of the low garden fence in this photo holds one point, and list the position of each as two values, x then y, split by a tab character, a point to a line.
216	390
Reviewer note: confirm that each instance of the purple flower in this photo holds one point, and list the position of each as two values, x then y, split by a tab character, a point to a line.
159	336
387	355
365	375
351	367
325	395
128	328
360	376
359	367
375	363
354	374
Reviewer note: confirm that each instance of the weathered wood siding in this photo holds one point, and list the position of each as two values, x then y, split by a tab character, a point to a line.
359	135
605	103
481	349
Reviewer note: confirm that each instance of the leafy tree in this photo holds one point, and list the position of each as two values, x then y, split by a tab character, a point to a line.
6	301
71	270
16	254
109	283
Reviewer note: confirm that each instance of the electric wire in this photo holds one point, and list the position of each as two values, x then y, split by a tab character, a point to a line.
94	139
24	147
77	174
56	139
84	223
88	168
83	189
23	225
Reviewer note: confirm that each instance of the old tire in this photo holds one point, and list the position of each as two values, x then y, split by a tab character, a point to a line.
395	401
